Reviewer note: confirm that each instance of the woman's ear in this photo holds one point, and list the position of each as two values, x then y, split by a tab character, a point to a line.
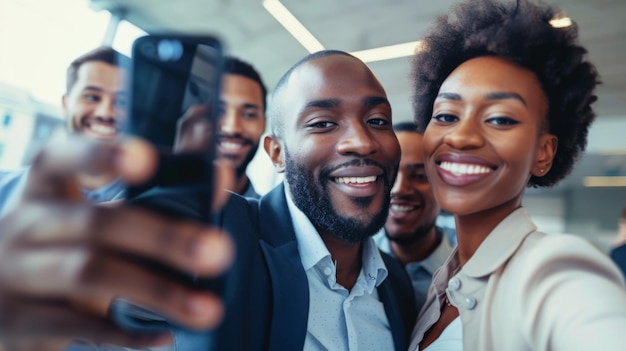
545	154
274	149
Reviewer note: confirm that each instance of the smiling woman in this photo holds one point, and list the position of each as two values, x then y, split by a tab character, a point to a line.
505	100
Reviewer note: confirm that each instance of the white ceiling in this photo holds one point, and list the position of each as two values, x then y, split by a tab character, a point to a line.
251	33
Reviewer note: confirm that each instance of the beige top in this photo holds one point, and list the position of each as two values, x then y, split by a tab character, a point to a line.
527	290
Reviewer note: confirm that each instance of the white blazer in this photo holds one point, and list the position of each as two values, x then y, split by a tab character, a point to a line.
527	290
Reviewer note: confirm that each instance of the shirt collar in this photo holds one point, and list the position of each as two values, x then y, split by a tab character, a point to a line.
313	250
439	256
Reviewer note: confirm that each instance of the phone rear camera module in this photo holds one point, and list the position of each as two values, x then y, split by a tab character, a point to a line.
169	50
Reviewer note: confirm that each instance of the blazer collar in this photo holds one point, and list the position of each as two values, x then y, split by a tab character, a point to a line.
500	244
289	282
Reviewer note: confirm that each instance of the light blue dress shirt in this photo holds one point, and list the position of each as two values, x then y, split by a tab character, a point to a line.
340	319
12	184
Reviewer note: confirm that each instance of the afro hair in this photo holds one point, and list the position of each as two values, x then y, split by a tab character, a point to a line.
521	32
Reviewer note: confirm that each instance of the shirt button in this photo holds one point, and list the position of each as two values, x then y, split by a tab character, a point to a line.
470	303
454	284
328	271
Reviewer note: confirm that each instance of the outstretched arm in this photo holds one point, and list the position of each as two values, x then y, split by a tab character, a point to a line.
62	261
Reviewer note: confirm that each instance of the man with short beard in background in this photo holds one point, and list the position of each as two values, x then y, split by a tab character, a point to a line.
410	233
94	106
240	124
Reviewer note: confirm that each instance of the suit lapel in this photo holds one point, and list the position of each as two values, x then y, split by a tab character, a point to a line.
289	281
394	315
396	294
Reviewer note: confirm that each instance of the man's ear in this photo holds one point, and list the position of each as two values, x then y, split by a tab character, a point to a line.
64	103
545	154
274	150
68	121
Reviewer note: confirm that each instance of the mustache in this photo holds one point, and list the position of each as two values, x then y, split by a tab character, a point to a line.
223	137
108	120
400	197
325	173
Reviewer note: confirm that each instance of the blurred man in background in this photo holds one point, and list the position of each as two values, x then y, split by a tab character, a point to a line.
94	106
241	122
410	233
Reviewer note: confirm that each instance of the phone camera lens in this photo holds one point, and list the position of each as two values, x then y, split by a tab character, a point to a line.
169	50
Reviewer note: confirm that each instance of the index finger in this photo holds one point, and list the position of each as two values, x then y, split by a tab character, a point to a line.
54	171
185	245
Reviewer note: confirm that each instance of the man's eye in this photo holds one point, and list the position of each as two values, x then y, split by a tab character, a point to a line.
91	97
445	118
121	102
421	177
321	125
250	115
502	121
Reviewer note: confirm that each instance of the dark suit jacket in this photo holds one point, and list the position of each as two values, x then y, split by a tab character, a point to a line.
618	254
267	292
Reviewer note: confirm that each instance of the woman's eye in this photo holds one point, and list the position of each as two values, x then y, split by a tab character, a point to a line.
445	118
378	122
502	121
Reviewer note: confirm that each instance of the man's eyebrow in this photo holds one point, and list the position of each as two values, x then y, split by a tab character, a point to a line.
499	95
323	103
251	106
122	92
371	101
93	87
449	96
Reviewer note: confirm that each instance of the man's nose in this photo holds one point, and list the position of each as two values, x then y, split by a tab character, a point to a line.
106	109
230	122
401	185
465	135
358	140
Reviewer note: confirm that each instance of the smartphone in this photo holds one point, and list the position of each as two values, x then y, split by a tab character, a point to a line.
174	78
175	81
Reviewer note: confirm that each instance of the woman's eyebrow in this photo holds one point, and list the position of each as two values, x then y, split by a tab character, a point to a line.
505	95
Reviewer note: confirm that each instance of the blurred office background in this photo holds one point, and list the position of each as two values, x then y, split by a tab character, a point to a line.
39	38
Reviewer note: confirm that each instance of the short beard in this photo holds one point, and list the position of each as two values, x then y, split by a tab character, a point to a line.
311	196
407	240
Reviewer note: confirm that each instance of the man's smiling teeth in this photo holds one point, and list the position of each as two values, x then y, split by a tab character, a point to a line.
102	129
230	146
464	168
355	180
401	208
